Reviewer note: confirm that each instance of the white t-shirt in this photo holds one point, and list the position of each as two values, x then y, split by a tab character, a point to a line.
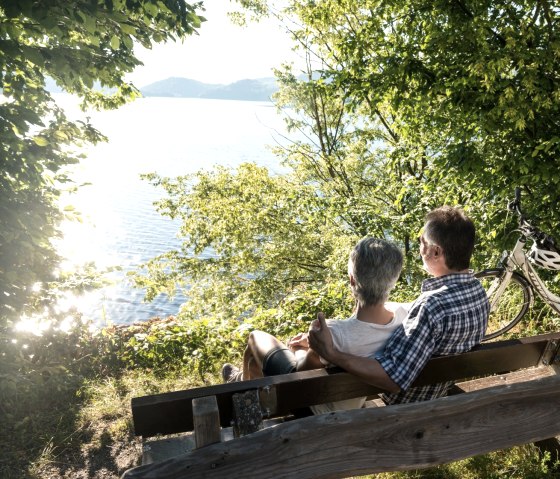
361	339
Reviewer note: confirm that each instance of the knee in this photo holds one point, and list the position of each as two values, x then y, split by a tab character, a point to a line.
253	338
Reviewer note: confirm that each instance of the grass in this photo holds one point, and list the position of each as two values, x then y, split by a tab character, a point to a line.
523	462
82	430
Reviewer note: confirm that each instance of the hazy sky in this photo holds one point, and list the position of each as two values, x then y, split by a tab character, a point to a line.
221	53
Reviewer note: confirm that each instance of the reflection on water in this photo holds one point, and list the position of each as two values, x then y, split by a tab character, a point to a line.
120	226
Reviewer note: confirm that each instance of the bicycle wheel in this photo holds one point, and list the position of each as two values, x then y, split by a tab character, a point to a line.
513	302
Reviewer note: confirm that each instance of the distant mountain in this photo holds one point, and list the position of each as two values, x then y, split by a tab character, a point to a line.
178	87
251	90
256	90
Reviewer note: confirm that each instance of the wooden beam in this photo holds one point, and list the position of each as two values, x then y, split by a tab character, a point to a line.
503	379
374	440
489	358
169	413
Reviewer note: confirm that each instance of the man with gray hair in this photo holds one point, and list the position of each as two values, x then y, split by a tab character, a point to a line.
449	317
373	269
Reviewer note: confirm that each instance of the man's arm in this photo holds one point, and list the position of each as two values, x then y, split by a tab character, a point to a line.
368	369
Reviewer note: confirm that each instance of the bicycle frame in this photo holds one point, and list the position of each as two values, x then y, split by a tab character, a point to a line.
518	259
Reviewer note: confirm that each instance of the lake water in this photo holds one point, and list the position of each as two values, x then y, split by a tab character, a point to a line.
120	225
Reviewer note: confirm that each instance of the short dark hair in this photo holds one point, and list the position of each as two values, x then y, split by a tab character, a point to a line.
454	232
375	265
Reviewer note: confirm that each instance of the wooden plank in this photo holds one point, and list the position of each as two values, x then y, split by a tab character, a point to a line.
206	421
492	358
488	382
169	412
503	379
374	440
166	447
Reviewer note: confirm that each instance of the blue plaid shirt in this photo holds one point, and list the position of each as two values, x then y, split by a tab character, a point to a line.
449	317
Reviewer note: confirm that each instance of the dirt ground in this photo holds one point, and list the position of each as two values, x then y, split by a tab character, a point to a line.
98	459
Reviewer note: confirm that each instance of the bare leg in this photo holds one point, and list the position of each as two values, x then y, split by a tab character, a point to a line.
258	345
251	369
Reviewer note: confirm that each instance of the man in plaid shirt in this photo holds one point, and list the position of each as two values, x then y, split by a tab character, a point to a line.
449	317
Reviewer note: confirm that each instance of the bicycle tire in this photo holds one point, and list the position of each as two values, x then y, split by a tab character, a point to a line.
513	304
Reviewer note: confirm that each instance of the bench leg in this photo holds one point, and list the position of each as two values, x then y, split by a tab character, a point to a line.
146	453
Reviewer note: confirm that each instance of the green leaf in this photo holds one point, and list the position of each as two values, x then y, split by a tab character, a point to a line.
128	43
41	140
115	42
90	23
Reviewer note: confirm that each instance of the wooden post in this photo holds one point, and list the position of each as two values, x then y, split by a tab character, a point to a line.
206	418
247	413
552	444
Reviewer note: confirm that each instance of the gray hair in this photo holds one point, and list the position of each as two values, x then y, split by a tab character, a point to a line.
375	265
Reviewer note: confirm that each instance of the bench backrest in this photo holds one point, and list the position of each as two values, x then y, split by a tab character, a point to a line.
171	412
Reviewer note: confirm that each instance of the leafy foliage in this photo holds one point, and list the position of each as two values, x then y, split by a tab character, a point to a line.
463	82
200	345
77	44
83	46
466	93
245	235
41	373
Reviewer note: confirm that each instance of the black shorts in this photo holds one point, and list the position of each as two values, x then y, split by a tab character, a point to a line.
279	360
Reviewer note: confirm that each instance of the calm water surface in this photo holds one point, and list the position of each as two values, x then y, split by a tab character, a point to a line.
120	225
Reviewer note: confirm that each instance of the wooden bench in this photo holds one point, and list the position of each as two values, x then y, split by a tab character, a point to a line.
513	400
